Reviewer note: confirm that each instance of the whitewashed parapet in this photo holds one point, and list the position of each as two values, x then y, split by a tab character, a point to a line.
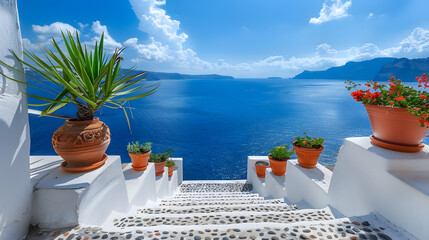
308	185
297	185
141	186
64	199
258	184
178	169
369	179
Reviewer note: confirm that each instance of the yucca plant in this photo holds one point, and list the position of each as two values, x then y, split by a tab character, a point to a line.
89	79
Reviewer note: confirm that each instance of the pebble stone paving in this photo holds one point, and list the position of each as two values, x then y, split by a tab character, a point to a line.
135	228
211	203
248	208
286	217
191	196
333	230
213	199
214	187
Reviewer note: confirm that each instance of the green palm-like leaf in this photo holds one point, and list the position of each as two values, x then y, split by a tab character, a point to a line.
89	79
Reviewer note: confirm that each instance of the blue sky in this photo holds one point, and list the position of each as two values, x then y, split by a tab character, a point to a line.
243	38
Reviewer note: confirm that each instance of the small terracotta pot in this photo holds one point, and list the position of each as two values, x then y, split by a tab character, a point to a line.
278	167
170	171
260	168
139	161
395	128
159	168
82	144
307	157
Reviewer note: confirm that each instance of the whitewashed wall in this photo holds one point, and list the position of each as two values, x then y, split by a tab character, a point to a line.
15	186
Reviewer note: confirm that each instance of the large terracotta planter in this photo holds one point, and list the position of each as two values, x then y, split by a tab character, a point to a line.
159	168
260	168
307	157
139	161
395	128
170	171
82	144
278	167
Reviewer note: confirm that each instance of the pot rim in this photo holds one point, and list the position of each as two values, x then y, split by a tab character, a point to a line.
160	162
256	164
139	154
272	159
367	105
86	122
309	149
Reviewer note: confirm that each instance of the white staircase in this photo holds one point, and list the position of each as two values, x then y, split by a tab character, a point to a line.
229	210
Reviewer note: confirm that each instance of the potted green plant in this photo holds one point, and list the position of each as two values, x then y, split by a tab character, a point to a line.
89	80
260	167
139	155
308	150
170	164
278	158
160	159
399	114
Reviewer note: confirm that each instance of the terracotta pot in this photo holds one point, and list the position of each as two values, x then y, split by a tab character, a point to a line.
260	168
307	157
170	171
395	128
159	168
278	167
82	144
139	161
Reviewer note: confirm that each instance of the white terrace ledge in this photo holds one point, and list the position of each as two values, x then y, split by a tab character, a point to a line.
64	199
369	179
299	185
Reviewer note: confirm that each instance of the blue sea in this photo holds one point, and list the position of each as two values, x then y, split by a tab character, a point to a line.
215	124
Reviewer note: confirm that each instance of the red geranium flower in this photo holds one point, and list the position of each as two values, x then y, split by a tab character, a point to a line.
423	96
401	98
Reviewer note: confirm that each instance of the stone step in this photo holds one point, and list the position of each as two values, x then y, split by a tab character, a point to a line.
214	203
211	199
191	194
368	227
215	187
223	218
215	209
212	196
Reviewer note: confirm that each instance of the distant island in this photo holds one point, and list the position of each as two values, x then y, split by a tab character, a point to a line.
274	78
153	76
377	69
161	75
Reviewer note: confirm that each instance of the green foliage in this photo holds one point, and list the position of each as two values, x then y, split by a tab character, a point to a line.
281	153
160	157
137	148
308	142
86	78
169	163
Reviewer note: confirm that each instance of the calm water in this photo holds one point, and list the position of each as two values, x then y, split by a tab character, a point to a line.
215	124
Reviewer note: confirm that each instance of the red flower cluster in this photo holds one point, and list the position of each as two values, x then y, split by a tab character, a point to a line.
423	79
359	94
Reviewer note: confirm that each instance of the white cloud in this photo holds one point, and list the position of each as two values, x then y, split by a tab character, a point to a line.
155	21
46	32
52	30
82	26
154	51
109	42
417	42
331	10
370	15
